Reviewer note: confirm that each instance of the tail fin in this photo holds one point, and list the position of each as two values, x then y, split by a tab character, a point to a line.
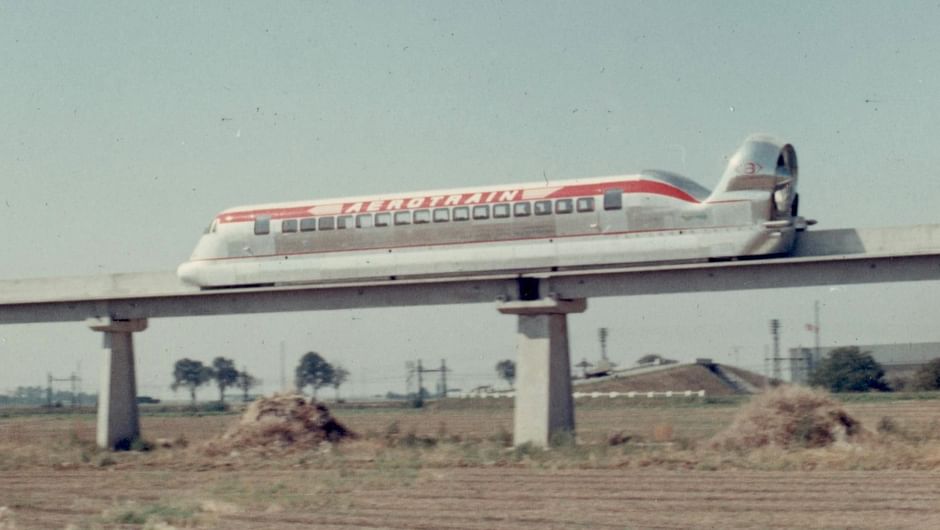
762	164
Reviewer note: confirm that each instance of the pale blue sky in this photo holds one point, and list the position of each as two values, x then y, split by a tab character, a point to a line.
125	127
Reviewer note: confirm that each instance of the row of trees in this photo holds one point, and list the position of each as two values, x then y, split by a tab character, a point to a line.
313	371
843	370
192	374
851	370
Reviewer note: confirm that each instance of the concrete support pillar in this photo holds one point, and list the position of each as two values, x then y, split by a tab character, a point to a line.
118	422
544	407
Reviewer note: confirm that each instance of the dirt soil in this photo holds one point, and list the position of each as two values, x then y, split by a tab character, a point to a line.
474	498
49	478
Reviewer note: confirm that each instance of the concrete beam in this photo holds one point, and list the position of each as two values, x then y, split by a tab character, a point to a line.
118	419
829	257
544	408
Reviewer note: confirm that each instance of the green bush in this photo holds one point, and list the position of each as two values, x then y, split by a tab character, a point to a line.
927	377
849	370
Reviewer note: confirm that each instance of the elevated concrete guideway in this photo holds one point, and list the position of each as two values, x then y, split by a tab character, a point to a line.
824	257
120	304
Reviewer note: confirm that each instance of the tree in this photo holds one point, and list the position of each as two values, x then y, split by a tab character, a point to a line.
190	374
849	370
506	369
246	382
654	358
927	377
584	365
313	371
225	375
340	376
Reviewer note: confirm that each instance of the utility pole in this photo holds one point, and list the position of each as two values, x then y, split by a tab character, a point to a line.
602	335
78	386
811	367
409	376
443	378
283	370
74	387
420	399
775	335
766	366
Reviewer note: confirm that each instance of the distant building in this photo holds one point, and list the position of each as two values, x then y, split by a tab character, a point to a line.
898	360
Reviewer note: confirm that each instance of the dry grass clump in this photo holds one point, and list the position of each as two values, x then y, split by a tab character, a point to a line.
789	417
281	422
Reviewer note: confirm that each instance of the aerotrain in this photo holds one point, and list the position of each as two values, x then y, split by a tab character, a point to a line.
650	217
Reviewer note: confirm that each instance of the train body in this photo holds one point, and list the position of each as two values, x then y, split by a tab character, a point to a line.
650	217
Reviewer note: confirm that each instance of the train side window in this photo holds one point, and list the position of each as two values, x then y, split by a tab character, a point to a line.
364	220
586	204
522	209
481	212
564	206
543	207
500	211
288	225
383	219
308	225
441	215
461	213
326	223
343	222
422	217
613	199
262	225
403	218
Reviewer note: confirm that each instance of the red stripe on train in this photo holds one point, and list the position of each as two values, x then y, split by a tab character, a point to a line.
650	187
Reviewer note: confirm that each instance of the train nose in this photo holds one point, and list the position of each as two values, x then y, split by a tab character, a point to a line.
189	273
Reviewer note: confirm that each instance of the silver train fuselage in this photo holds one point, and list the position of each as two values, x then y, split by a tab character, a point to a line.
650	217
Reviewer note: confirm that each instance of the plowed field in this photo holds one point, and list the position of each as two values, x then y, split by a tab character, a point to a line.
49	480
480	498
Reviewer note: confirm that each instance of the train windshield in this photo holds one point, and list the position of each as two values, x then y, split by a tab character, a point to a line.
685	184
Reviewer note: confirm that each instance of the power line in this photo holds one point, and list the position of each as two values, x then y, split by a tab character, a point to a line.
74	381
418	370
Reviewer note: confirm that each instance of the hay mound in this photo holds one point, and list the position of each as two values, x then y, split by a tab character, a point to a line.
282	422
789	418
